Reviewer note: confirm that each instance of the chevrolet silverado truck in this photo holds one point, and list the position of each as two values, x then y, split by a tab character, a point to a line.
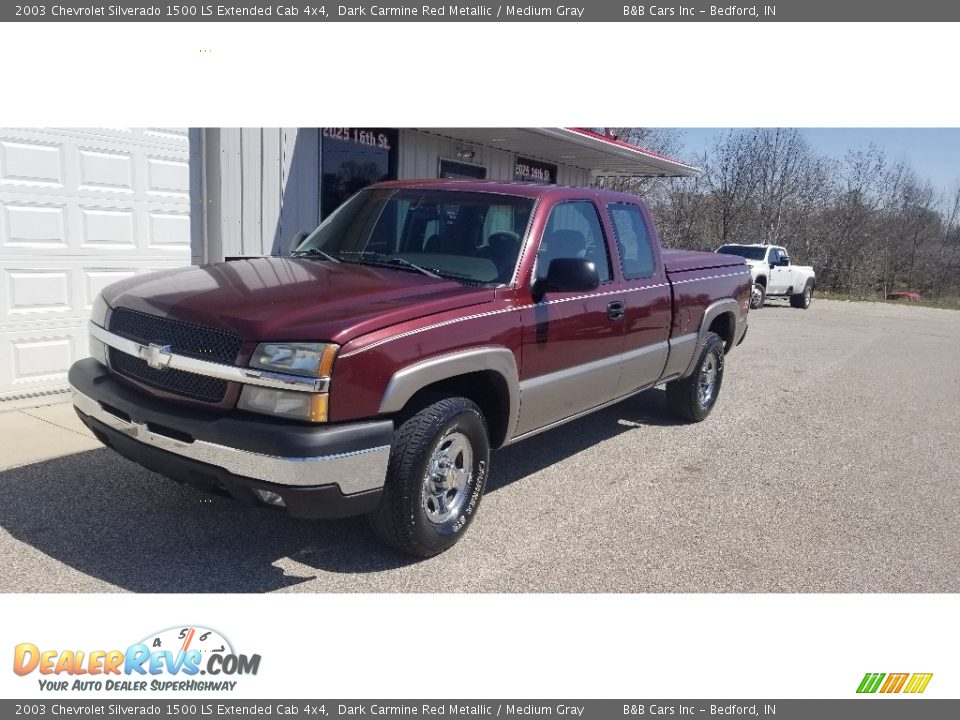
774	275
418	327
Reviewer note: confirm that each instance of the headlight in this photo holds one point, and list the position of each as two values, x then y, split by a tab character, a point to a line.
309	359
311	407
98	313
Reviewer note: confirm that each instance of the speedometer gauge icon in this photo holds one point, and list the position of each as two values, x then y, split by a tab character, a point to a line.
188	637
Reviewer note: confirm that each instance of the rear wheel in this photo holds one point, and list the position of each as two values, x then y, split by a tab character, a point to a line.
757	295
692	398
435	478
802	300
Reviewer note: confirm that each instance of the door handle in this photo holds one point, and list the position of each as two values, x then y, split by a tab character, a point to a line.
616	310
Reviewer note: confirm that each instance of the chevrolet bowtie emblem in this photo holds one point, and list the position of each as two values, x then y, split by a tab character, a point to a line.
157	356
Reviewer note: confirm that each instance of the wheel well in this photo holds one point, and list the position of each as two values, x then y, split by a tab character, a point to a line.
723	325
761	280
486	388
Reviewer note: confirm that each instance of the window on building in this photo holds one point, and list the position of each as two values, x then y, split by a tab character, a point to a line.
633	241
461	171
573	230
351	159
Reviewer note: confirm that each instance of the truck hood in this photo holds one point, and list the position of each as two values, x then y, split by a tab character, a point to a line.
292	298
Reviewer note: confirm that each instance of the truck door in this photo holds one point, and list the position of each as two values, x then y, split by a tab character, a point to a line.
646	296
779	275
572	341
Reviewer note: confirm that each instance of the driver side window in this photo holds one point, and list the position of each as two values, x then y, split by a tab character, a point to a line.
573	231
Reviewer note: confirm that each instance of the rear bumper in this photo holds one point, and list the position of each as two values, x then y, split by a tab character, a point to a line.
318	472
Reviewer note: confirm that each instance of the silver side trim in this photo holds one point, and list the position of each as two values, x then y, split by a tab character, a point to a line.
566	392
352	472
159	356
642	366
583	413
682	350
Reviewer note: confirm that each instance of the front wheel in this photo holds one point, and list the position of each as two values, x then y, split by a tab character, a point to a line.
758	294
802	300
435	478
692	398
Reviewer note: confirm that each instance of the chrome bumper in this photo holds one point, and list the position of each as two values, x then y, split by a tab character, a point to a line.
353	472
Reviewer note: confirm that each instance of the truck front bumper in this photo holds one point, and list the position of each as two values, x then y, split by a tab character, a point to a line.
325	471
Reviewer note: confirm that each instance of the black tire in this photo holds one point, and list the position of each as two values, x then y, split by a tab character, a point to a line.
802	300
758	294
684	397
409	517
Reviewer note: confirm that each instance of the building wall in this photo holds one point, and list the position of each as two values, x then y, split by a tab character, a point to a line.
420	155
254	189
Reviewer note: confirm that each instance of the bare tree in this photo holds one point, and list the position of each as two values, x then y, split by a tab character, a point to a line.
732	175
865	224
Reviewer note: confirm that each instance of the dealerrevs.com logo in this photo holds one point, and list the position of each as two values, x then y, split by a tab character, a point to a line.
178	659
910	683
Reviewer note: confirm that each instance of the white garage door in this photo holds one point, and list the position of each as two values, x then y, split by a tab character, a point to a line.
80	209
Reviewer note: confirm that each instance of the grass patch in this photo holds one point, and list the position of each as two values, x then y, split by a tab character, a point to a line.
946	303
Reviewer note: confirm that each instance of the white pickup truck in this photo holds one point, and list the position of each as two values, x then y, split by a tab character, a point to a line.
773	274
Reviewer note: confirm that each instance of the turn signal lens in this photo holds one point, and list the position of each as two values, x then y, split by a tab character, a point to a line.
311	407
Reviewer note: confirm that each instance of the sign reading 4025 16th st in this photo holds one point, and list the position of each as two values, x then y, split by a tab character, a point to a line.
170	660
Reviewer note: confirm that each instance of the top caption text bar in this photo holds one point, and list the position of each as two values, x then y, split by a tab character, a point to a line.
595	11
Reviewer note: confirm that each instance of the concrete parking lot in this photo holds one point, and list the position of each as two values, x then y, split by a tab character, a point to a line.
831	464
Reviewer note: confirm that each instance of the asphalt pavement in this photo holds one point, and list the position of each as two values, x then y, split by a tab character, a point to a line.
830	464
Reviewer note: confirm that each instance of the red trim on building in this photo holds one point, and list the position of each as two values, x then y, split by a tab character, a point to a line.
620	143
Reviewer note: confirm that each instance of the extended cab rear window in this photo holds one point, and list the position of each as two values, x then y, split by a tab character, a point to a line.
633	241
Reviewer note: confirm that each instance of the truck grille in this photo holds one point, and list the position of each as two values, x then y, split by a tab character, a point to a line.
191	385
184	339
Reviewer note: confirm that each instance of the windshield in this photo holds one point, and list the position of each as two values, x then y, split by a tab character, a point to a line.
745	251
468	236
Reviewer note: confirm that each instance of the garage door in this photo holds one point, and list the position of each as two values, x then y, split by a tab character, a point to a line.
79	209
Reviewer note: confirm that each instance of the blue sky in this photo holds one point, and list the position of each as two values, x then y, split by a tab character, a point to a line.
933	153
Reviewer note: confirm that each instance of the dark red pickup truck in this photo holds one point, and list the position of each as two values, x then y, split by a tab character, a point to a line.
422	324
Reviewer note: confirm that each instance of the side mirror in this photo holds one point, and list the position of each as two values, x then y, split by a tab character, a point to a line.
568	275
784	262
297	239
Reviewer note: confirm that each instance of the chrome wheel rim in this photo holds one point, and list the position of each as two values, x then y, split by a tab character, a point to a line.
447	477
756	296
807	292
707	385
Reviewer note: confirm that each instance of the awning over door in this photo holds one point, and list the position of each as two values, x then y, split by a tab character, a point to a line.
600	155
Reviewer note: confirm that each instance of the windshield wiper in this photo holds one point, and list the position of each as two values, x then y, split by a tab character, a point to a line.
376	259
314	251
407	263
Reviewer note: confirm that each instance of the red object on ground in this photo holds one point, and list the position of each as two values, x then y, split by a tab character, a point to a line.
904	295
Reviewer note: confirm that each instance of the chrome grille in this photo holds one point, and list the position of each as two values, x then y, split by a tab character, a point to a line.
184	339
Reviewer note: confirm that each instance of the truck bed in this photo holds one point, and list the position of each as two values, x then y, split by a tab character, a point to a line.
677	261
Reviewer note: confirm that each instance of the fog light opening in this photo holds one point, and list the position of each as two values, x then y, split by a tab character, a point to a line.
269	497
